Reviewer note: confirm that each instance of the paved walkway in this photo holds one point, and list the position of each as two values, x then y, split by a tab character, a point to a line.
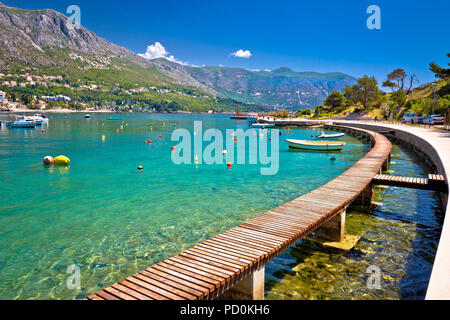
439	286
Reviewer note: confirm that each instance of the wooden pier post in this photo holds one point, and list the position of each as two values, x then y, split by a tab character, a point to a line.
386	163
365	197
334	229
249	288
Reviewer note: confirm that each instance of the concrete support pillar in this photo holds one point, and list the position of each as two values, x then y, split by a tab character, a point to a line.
386	163
249	288
334	229
365	197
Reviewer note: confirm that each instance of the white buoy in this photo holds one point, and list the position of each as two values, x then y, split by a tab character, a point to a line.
196	159
224	152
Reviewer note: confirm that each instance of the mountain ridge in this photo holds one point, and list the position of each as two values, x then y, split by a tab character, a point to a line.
43	39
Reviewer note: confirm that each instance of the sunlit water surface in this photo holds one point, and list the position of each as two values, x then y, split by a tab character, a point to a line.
111	220
399	237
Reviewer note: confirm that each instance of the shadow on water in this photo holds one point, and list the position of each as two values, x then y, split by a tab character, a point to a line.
399	235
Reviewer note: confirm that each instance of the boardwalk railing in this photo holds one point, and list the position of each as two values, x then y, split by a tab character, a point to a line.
238	256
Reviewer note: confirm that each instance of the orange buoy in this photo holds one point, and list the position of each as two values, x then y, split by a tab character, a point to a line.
145	141
150	141
270	139
173	148
117	130
229	165
43	131
160	137
235	140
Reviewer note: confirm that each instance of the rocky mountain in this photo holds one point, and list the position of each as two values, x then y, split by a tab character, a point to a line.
45	40
282	86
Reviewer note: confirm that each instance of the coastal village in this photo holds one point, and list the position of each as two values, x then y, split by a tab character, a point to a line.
11	98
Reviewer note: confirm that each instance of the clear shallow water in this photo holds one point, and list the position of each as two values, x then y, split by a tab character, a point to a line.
399	235
109	219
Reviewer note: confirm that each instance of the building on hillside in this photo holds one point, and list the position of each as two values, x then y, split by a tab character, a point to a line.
3	97
57	98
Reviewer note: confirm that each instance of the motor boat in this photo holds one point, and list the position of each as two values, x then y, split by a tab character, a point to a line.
252	117
38	118
316	145
22	122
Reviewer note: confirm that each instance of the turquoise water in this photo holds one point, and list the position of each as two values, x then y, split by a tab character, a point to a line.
399	235
111	220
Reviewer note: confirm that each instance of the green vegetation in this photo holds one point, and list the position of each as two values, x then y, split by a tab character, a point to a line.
366	97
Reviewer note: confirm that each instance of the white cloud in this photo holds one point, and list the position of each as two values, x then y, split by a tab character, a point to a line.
157	50
242	54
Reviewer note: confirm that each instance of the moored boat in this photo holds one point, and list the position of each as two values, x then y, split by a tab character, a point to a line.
37	118
263	125
330	136
87	116
22	122
316	145
252	117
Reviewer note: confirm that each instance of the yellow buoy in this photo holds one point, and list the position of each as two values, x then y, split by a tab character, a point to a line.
61	160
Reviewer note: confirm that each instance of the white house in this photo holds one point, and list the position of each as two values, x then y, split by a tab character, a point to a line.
3	97
57	98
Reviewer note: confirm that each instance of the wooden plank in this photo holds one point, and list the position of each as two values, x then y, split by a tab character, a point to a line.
218	270
106	295
149	289
130	290
203	276
200	282
206	273
217	259
119	294
226	254
176	282
153	284
238	251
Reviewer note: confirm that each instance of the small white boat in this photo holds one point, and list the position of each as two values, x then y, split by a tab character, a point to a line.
252	117
38	119
316	145
87	116
330	136
263	125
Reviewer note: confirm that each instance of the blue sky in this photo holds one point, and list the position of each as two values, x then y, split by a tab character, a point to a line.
305	35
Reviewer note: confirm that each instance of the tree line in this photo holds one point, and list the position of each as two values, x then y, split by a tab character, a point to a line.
366	94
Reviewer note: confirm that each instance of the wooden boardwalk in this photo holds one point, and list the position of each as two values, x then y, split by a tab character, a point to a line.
433	182
209	269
